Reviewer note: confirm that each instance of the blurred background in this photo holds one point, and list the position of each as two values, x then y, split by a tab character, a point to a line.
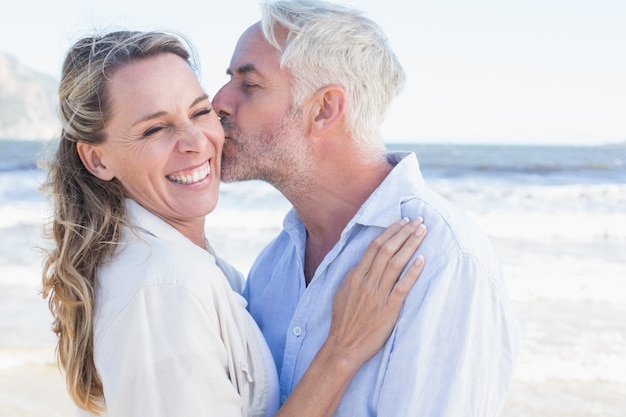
516	111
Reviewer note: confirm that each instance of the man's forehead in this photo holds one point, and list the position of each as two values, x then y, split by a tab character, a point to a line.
253	54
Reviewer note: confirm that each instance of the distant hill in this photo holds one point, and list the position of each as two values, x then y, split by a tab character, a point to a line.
27	102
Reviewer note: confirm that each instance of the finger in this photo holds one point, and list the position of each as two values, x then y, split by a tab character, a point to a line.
368	257
388	249
403	286
400	260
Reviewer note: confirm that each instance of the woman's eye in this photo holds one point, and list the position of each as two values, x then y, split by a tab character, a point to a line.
202	112
152	131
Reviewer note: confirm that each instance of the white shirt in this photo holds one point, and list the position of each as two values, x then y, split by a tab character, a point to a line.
455	346
171	337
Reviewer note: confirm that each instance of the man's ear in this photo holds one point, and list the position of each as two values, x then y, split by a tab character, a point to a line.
92	159
329	108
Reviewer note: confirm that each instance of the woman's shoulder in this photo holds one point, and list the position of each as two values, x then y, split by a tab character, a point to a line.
144	260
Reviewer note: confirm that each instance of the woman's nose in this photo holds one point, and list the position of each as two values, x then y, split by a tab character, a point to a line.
192	139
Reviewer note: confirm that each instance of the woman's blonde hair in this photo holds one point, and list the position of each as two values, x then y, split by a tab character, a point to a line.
87	212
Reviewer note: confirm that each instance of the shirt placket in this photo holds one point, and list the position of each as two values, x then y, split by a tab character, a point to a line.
296	332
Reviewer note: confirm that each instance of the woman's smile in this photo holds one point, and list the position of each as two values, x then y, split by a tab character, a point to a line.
191	176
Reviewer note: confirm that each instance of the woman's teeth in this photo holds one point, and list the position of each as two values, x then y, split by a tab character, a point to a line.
193	177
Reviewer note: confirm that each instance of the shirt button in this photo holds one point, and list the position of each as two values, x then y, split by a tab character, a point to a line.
297	331
283	399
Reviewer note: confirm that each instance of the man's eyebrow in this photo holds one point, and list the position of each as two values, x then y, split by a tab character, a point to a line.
242	69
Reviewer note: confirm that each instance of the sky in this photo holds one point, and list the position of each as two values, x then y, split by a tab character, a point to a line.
478	71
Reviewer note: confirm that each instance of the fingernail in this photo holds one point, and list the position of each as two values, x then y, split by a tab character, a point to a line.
418	220
404	220
421	229
419	260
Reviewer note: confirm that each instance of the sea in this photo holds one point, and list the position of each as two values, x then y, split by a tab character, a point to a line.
555	214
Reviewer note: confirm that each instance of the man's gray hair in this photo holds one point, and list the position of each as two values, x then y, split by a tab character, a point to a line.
328	44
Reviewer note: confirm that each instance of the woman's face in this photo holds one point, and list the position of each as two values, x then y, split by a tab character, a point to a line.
164	141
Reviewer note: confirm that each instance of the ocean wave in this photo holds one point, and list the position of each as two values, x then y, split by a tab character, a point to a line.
24	273
12	166
575	227
18	357
23	214
602	367
566	164
20	155
555	167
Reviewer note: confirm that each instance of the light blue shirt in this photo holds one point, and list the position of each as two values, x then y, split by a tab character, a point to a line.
455	346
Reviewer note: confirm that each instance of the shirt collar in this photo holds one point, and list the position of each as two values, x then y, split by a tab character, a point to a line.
146	221
383	207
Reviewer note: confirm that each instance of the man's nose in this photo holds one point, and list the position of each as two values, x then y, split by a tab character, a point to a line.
221	103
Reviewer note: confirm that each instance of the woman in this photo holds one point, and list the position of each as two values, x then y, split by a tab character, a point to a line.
145	312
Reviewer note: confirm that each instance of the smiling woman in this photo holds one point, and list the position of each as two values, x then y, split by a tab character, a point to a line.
175	134
133	117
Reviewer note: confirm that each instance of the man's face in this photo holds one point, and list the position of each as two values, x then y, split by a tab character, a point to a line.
262	130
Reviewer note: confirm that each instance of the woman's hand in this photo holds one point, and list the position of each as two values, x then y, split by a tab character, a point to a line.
368	302
366	307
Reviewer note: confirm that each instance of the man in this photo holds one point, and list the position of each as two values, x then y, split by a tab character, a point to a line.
310	85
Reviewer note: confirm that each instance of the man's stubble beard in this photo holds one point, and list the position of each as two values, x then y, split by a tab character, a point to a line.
278	156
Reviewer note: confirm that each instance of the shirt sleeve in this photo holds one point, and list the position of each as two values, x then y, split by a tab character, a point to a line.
162	356
232	274
454	348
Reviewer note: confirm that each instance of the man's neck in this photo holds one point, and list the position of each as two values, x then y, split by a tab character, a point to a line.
329	204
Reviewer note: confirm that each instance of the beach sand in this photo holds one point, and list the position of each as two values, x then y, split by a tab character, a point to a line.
569	299
34	391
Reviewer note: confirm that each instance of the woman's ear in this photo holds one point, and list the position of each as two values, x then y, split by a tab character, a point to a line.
329	109
91	156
